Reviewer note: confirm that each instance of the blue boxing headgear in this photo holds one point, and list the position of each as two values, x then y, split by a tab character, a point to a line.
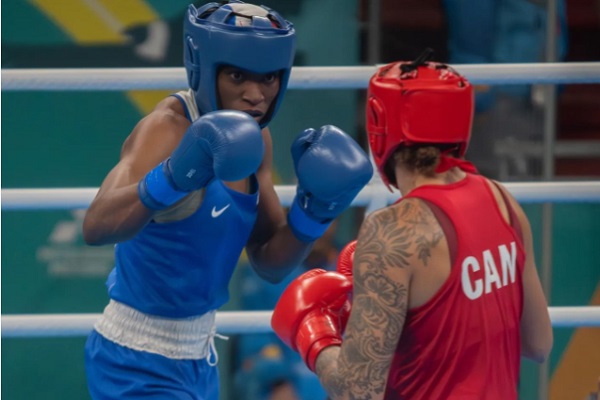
245	36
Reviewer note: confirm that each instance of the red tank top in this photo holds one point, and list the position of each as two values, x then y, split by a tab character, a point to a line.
464	343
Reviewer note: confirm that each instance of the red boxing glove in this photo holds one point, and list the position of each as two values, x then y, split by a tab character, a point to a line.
346	259
309	314
344	266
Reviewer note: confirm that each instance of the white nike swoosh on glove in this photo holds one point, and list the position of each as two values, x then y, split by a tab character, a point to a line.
215	213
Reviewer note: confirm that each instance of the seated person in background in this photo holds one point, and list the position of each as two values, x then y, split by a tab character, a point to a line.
504	31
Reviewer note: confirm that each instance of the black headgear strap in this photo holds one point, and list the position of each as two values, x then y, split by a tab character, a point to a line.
419	61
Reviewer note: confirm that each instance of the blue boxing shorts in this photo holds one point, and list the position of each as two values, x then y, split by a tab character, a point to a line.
115	371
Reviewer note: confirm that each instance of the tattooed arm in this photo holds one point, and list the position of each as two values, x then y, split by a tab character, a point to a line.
390	243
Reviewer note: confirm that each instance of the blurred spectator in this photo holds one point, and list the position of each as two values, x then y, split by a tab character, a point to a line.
595	395
265	368
503	31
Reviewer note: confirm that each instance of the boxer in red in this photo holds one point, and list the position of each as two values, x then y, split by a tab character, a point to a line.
444	292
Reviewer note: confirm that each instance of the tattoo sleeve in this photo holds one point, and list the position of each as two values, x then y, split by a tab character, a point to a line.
390	241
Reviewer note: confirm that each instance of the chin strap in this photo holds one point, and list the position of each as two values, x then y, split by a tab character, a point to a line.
447	162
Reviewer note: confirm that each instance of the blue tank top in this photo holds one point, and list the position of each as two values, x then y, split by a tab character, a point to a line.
182	268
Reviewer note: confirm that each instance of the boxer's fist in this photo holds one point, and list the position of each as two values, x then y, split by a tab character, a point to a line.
331	169
345	260
311	312
224	144
227	144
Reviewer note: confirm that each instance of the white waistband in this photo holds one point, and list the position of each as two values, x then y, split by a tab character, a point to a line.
187	338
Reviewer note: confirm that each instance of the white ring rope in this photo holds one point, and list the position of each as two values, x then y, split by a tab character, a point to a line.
228	322
524	192
347	77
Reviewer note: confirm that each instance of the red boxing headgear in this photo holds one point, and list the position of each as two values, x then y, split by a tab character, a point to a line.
424	103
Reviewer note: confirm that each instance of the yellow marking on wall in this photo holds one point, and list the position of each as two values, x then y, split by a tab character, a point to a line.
80	21
130	12
578	371
104	21
146	100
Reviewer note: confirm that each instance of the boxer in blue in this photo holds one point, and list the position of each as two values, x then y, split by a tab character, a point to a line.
192	188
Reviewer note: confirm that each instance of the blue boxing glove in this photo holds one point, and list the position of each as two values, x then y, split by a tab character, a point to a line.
331	169
224	144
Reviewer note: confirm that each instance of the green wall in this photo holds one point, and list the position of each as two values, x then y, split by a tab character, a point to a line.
575	274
